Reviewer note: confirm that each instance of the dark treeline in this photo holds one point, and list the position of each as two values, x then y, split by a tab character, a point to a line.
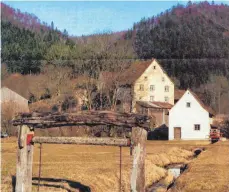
192	41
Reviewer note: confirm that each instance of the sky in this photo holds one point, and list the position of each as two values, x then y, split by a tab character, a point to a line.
88	17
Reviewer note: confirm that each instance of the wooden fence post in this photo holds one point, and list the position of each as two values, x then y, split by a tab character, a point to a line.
30	160
24	161
138	140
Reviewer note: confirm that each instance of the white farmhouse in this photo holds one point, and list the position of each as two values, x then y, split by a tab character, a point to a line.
190	119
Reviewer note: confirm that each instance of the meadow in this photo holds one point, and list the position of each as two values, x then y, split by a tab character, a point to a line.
96	168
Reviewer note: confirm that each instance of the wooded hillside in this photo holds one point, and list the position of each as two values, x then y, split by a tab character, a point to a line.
191	42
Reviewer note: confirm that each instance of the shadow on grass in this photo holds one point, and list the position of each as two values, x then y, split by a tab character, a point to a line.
66	184
13	183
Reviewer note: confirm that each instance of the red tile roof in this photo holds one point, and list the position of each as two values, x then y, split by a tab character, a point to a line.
155	104
130	75
163	105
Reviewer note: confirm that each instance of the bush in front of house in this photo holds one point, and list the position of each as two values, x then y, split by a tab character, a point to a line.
225	129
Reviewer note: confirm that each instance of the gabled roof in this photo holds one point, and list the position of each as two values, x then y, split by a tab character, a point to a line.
207	108
155	104
130	75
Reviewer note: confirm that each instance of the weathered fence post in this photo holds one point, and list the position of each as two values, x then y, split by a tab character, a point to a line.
30	135
137	181
24	161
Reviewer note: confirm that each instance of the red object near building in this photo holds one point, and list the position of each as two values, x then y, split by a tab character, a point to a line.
29	139
215	135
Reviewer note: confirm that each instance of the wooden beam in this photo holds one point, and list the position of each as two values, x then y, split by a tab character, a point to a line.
90	118
83	140
24	161
139	137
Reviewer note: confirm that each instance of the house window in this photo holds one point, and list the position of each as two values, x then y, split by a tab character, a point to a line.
166	88
166	99
188	104
152	87
141	87
163	79
146	78
197	127
151	98
154	67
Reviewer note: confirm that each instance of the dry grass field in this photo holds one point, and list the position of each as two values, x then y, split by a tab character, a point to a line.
208	173
96	168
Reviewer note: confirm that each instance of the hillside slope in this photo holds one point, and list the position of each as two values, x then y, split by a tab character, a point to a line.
191	42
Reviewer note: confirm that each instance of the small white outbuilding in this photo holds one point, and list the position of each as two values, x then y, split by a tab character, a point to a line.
190	118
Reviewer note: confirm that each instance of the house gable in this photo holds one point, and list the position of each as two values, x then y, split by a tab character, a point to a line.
154	85
197	101
152	69
185	115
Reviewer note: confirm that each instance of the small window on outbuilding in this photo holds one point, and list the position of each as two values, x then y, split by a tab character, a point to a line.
197	127
188	104
141	87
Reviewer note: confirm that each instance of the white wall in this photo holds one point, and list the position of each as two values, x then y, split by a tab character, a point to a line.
184	117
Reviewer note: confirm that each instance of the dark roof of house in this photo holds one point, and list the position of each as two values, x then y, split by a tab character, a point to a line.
178	93
163	105
130	75
207	108
155	104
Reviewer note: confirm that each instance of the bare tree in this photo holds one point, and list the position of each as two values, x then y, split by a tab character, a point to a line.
216	89
87	87
58	78
112	88
37	85
9	110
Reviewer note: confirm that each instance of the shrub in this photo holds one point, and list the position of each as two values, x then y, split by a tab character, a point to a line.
69	103
225	129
